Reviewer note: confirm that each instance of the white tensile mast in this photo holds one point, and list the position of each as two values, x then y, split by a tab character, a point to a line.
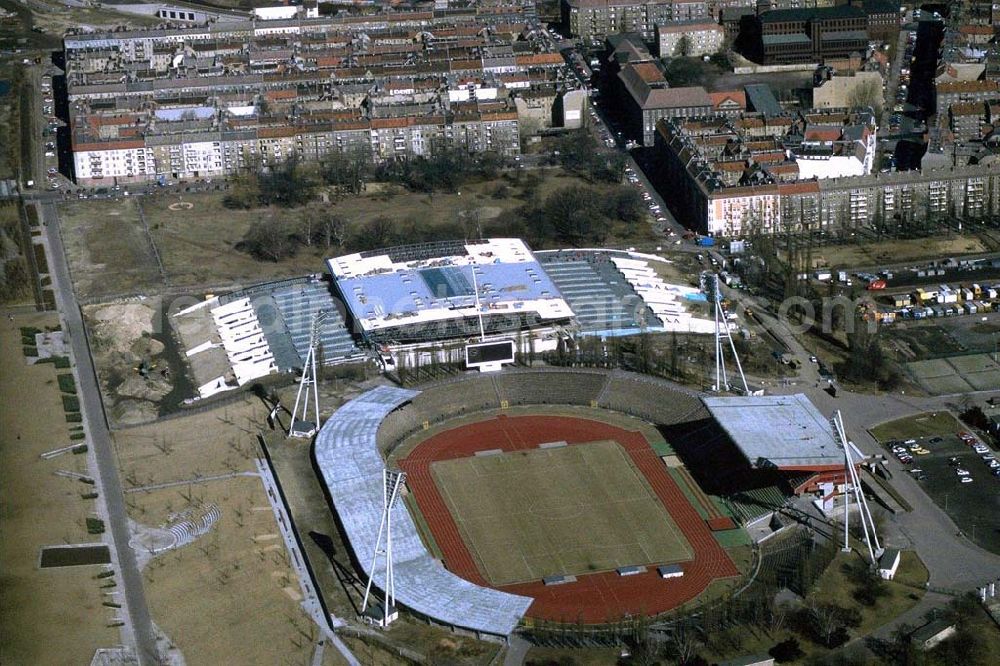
308	386
392	482
853	483
722	333
479	308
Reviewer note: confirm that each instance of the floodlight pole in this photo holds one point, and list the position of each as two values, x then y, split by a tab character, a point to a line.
722	332
392	481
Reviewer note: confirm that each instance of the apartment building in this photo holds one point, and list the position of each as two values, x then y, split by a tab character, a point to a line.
596	19
966	118
689	38
955	92
211	100
647	98
793	36
723	180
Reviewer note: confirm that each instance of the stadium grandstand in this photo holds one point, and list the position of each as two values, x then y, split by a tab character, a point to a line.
351	466
614	293
783	432
236	338
757	452
438	292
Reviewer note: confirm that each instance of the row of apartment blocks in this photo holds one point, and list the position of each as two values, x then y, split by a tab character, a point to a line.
769	32
596	19
734	179
220	153
209	100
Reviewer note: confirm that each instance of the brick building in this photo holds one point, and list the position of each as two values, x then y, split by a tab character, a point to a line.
647	99
596	19
793	36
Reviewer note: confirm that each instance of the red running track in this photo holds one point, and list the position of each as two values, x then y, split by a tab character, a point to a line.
593	598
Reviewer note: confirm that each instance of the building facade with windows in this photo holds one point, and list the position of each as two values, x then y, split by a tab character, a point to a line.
794	36
212	100
596	19
720	182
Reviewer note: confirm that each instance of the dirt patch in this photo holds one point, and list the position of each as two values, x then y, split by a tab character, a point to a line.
108	251
53	616
237	574
896	251
117	327
133	373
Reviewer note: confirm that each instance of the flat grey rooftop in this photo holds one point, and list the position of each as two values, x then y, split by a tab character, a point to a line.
352	470
785	431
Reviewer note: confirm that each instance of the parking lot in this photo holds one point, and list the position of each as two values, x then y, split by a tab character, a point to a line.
973	505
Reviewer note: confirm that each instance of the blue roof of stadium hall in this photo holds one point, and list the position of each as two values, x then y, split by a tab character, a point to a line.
418	289
351	465
785	431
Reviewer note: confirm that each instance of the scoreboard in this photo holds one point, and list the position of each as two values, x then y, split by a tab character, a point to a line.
489	356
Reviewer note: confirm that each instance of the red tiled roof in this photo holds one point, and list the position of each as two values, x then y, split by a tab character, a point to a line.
648	72
822	134
720	98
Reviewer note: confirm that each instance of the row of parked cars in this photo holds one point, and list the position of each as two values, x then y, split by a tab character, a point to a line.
904	451
985	454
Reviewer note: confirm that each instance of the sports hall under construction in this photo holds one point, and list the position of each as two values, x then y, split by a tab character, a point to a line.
396	302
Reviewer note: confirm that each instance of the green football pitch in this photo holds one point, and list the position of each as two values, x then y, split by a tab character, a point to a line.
570	510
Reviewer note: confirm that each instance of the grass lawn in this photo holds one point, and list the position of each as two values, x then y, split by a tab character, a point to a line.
570	510
239	573
921	425
107	248
836	586
51	616
544	656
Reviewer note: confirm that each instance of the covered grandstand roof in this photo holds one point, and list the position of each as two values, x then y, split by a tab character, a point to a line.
783	431
427	284
351	466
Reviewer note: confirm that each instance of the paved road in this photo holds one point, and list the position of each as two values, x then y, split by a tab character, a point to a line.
953	561
136	611
517	651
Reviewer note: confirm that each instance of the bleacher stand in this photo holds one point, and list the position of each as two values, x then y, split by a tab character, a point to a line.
243	339
642	396
299	304
437	402
557	387
602	299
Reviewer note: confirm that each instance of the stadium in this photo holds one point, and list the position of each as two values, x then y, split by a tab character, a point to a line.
563	496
